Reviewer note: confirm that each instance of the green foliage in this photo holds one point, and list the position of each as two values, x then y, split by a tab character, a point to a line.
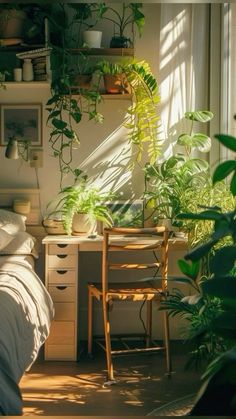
219	285
143	120
167	184
82	198
130	14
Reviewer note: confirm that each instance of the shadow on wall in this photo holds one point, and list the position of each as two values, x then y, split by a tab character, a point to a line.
109	165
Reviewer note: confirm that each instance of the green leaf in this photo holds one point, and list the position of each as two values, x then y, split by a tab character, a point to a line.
205	215
189	269
199	116
233	184
227	140
223	288
76	116
202	142
199	252
58	123
223	170
223	261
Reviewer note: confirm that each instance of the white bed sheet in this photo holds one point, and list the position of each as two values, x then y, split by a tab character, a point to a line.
26	312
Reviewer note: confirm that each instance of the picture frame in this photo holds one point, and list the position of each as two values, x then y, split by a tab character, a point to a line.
22	121
127	213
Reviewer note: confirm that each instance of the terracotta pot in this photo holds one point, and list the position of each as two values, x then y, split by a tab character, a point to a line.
116	83
12	23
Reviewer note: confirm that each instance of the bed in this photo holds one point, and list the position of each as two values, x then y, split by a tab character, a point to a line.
26	309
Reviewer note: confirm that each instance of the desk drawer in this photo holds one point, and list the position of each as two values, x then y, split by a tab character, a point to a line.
60	353
62	293
62	261
62	333
64	311
62	248
62	276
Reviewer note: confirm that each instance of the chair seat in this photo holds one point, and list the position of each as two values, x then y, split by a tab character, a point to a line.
131	290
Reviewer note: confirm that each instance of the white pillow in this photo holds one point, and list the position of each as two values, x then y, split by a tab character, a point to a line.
22	244
11	222
5	238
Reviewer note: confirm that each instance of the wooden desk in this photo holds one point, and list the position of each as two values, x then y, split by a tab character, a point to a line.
61	279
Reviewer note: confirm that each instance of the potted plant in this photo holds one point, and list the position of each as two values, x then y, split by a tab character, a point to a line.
81	73
115	79
85	17
129	14
81	206
143	121
167	183
217	394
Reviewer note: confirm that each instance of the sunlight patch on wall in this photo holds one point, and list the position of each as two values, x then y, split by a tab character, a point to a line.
108	165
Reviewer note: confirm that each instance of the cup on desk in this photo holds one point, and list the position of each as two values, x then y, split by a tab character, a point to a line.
17	72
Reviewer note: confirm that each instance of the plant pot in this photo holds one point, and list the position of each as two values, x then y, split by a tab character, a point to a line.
54	226
116	83
120	42
82	81
83	225
92	39
12	23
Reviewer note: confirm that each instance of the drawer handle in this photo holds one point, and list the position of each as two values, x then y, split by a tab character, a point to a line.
61	245
62	256
61	272
61	287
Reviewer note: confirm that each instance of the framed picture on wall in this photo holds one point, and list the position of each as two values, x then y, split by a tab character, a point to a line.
23	122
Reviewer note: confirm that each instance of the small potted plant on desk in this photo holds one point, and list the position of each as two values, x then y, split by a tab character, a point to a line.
81	206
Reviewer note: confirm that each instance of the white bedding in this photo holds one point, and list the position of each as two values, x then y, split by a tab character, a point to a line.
26	311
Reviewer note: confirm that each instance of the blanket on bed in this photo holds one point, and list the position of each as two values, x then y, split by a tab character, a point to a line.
26	311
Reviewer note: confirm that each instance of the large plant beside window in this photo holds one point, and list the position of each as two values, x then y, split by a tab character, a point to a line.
217	395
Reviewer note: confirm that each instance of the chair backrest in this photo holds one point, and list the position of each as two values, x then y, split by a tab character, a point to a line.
139	240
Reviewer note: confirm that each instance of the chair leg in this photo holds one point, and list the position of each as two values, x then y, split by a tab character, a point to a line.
107	332
167	342
90	321
149	323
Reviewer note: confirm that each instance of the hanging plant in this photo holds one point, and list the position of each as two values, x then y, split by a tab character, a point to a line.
143	119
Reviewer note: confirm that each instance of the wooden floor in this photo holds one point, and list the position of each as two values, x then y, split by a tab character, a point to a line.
77	388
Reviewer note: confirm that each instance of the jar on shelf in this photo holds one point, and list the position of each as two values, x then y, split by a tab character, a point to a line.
28	72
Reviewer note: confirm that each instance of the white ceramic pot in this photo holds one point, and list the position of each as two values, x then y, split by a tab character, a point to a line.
92	39
83	225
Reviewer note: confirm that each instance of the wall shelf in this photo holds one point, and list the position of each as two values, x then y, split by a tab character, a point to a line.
110	96
123	52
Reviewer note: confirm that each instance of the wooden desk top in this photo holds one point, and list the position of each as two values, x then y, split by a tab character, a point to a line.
88	244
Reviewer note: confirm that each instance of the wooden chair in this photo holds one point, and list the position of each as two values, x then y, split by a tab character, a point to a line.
141	241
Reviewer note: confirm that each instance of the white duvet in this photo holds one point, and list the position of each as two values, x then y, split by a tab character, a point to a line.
26	311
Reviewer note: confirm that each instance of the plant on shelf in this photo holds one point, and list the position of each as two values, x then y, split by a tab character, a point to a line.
218	286
65	111
82	198
167	184
143	120
85	16
129	14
